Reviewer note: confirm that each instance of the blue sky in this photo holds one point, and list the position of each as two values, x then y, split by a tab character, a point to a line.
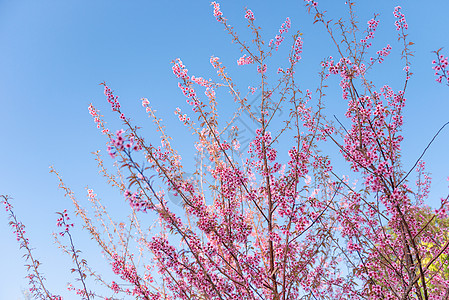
53	55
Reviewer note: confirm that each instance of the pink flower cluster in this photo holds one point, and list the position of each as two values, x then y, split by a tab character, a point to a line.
383	53
97	118
62	222
201	81
115	287
373	140
440	67
210	93
252	90
112	99
372	26
93	112
262	69
442	212
186	85
249	15
179	69
128	273
214	61
121	144
353	246
258	143
297	49
346	69
79	292
244	60
423	182
400	23
279	38
91	194
146	104
19	230
299	159
182	117
217	13
136	201
187	91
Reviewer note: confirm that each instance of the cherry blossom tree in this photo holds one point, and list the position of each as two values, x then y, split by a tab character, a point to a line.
259	223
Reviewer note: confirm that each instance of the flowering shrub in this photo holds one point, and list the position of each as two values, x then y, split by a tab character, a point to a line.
269	223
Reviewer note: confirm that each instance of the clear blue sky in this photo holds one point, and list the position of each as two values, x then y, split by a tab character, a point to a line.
53	55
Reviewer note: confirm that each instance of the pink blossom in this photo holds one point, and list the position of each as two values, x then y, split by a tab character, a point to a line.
249	15
244	60
217	13
279	38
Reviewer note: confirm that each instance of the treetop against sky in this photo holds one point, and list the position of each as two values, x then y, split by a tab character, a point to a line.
171	65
